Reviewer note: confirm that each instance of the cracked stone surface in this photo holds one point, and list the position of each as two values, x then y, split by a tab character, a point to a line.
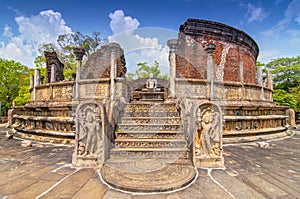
44	171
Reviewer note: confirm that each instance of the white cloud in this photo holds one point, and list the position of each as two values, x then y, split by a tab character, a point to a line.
42	28
7	32
120	23
256	13
266	55
143	49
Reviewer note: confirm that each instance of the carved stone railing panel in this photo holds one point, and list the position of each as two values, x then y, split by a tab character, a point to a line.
63	92
93	90
42	93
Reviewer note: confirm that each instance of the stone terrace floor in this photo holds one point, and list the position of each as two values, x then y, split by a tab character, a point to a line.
257	170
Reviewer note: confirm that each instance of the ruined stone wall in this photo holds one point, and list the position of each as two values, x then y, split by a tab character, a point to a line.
99	63
235	51
52	58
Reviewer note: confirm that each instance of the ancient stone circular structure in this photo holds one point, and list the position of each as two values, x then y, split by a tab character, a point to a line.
233	49
215	95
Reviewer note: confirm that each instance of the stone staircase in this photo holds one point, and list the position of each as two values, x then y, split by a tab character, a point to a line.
150	130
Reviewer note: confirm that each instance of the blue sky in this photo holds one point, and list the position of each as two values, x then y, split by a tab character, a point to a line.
274	25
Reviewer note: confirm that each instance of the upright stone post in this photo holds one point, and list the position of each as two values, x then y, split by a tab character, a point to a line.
53	73
172	44
270	84
241	72
36	82
113	74
31	81
37	77
209	49
269	81
260	82
79	52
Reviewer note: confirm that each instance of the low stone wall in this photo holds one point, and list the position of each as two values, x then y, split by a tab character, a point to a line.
58	92
230	91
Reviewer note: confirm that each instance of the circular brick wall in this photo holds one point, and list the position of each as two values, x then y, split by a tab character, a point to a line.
236	52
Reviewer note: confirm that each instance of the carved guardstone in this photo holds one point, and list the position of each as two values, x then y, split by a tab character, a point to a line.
90	140
208	152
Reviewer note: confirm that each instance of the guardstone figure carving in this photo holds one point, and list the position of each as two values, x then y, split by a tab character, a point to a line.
208	136
89	149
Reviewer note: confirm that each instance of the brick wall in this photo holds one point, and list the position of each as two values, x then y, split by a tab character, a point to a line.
233	48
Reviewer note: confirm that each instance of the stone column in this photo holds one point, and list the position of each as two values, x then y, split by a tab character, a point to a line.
113	47
209	49
260	82
113	68
172	44
269	81
37	77
79	52
53	73
36	82
31	81
241	72
270	84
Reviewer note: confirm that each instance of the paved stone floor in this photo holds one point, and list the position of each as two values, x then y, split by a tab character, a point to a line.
259	170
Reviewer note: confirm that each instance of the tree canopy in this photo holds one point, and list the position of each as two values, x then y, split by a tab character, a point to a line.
143	71
286	79
64	49
13	75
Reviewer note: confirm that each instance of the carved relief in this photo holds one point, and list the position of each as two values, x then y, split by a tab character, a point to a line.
208	136
89	126
89	149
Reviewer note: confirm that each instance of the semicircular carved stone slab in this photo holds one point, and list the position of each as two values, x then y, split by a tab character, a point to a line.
90	135
208	136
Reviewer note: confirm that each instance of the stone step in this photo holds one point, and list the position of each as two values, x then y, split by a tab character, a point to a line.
118	153
150	134
150	107
148	127
150	143
150	120
151	114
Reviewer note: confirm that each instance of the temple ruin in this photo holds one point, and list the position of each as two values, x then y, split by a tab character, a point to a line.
215	95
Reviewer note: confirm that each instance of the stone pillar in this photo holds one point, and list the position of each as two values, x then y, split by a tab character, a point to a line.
172	44
209	49
79	52
37	77
241	72
31	81
270	84
259	76
113	68
260	81
269	81
36	82
113	47
53	73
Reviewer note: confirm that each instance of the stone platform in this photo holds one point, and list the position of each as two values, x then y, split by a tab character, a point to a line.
256	170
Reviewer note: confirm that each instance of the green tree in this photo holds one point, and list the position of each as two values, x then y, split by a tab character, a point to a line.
286	78
143	71
64	49
12	78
